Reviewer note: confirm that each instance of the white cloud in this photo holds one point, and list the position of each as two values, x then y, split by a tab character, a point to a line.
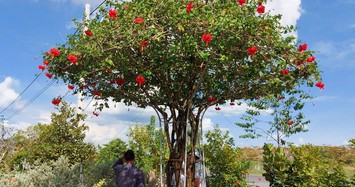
99	134
7	94
337	55
289	9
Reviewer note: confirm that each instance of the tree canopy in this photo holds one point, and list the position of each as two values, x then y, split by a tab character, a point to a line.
180	58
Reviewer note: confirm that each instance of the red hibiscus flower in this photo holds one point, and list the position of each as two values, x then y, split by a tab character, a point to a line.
311	59
48	75
97	93
290	122
139	20
284	72
72	58
95	114
54	51
211	99
56	101
42	67
112	13
252	50
302	47
120	81
88	32
207	38
241	2
140	80
189	7
144	44
261	9
70	87
320	85
46	63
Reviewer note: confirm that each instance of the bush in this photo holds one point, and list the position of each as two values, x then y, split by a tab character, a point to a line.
305	166
55	174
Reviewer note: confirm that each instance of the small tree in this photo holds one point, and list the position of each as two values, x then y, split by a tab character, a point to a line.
286	116
64	136
149	144
223	160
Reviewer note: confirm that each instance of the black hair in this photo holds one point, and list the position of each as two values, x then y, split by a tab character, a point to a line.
129	155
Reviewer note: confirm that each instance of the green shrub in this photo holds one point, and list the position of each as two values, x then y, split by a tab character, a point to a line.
304	166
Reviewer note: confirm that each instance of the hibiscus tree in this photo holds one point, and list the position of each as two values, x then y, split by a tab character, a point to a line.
192	52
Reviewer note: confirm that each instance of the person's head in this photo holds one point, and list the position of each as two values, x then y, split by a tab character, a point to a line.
129	155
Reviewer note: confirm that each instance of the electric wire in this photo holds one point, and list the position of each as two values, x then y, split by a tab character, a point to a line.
31	100
21	93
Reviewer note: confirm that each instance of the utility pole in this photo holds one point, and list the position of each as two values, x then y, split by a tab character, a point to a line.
80	95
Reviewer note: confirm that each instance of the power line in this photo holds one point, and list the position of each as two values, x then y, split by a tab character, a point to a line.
21	93
32	99
48	85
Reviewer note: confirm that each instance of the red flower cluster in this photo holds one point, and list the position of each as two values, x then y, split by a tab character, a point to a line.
261	9
302	47
241	2
207	38
139	20
120	81
189	7
95	92
311	59
284	72
72	58
56	101
140	80
45	62
70	87
252	50
211	99
290	122
48	75
112	13
54	51
88	32
42	67
144	44
320	85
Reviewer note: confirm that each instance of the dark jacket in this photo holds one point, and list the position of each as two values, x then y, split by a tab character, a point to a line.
128	175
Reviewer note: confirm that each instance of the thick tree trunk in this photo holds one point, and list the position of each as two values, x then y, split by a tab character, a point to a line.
177	138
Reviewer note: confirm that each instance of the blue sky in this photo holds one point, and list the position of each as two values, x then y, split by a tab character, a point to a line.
32	26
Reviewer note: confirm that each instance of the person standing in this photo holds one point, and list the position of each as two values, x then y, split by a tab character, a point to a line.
128	175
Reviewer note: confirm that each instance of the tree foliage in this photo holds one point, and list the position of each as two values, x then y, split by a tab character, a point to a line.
64	136
181	58
223	160
304	166
149	144
286	116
